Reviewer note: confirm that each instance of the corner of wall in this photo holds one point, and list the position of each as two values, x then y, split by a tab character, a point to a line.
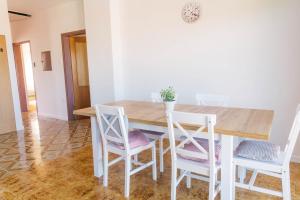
6	30
116	43
99	44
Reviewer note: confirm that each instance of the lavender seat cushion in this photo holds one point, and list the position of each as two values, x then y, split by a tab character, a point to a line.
258	150
204	143
153	132
136	138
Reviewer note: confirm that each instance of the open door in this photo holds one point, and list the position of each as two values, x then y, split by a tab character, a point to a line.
25	78
20	77
7	114
80	72
76	71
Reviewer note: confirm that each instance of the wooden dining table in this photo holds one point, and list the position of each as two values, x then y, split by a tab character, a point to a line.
231	122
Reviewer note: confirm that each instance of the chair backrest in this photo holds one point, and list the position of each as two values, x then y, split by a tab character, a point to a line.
180	120
113	129
212	100
156	98
292	140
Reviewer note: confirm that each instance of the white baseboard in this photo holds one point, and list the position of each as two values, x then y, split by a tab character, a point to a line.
296	159
53	116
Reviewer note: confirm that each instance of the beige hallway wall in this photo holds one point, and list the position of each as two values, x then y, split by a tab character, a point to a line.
5	30
7	118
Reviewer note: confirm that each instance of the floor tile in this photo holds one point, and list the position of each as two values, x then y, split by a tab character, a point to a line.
52	159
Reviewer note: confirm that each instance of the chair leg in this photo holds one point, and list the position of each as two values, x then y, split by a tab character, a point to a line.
234	180
154	170
286	185
105	168
212	185
161	154
136	158
181	172
127	175
242	173
173	182
188	180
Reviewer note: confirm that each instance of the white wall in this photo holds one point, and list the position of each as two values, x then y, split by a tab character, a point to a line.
248	50
5	30
99	42
117	48
245	49
44	31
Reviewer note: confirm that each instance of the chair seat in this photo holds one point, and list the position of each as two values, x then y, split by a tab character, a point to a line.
275	166
203	163
156	133
258	150
204	143
136	138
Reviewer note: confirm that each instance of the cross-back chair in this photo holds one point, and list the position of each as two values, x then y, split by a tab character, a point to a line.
279	168
156	135
117	139
212	100
195	158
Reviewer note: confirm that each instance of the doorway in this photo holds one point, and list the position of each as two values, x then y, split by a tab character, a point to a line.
76	71
25	77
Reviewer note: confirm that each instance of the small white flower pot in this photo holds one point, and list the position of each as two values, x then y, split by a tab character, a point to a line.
169	106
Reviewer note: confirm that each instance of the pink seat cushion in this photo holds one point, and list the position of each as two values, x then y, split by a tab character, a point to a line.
136	138
204	143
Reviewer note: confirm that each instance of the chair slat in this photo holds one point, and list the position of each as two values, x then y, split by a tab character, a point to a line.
191	154
114	139
190	138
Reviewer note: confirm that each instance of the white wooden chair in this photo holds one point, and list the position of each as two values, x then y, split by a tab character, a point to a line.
155	135
279	168
212	100
195	158
223	101
118	140
156	98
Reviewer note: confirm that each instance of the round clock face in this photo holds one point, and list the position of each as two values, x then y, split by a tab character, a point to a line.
191	12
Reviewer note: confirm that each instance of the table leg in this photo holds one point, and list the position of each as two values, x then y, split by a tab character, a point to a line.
227	182
97	148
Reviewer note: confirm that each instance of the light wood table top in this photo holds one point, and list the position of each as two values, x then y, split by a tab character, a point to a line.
241	122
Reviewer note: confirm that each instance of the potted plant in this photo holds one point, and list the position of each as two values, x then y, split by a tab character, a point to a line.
168	95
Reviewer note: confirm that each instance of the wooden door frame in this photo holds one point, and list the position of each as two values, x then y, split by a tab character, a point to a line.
24	76
65	40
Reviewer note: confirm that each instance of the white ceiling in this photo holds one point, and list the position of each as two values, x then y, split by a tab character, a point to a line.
29	6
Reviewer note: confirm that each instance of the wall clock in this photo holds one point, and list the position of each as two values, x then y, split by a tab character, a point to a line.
191	12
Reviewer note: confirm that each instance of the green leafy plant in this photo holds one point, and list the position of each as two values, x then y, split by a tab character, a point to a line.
168	94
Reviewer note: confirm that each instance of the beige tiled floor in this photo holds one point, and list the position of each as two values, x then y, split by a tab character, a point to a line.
52	160
43	139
